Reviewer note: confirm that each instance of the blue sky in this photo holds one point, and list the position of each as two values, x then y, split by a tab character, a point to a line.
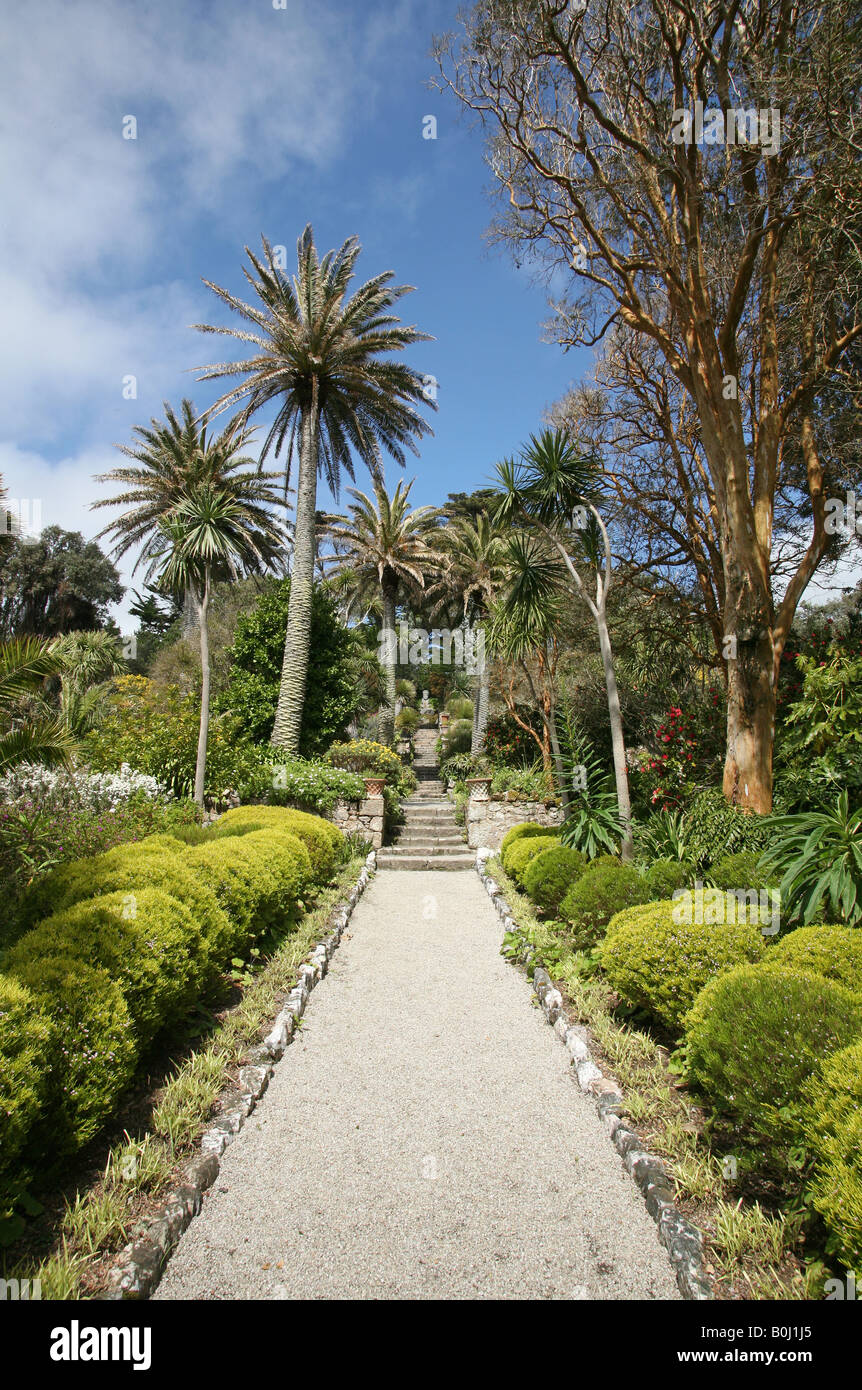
250	120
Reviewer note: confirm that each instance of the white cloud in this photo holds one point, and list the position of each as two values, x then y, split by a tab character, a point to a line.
227	96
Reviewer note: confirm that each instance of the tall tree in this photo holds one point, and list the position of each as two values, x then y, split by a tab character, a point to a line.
380	547
471	570
691	168
215	531
168	457
325	360
551	490
54	583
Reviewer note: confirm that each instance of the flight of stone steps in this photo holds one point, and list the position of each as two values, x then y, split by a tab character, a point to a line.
430	838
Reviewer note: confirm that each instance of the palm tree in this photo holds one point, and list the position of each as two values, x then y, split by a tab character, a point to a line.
550	490
525	621
89	661
168	458
325	360
471	570
380	549
25	664
214	531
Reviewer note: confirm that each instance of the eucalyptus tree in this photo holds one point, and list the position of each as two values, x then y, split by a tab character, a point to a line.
324	360
381	547
215	531
550	491
690	169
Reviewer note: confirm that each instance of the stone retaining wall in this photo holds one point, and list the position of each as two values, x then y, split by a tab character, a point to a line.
488	819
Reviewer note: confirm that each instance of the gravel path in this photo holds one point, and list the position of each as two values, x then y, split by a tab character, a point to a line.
423	1136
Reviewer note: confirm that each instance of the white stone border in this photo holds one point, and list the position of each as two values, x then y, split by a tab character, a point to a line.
682	1240
142	1262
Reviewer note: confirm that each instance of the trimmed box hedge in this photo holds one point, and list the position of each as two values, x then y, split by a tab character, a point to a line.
756	1035
662	965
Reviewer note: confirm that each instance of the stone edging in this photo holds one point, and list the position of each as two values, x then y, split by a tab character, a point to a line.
142	1263
682	1240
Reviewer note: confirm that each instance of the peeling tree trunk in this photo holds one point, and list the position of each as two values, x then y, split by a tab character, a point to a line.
203	732
294	672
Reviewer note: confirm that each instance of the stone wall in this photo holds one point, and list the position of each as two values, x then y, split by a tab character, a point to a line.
363	818
488	819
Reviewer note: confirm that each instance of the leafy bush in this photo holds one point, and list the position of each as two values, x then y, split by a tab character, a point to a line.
755	1035
463	765
506	742
740	870
662	836
459	707
368	759
662	965
407	721
518	855
458	737
323	840
548	878
664	877
522	783
517	832
315	786
25	1048
832	1124
159	862
819	855
147	942
406	690
256	878
593	821
605	889
92	1049
713	829
333	693
833	952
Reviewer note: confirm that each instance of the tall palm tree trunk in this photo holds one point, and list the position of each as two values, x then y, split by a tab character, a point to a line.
387	714
203	732
294	671
483	700
621	775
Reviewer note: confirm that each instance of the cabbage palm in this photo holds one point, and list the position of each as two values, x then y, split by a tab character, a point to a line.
380	547
471	570
550	491
215	531
168	457
325	361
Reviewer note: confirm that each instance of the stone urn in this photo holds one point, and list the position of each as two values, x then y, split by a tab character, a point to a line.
480	788
374	785
444	720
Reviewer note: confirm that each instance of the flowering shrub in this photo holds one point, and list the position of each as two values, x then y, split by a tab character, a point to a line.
506	742
367	758
92	791
685	754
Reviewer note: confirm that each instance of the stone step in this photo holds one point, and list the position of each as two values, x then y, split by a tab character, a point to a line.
425	847
424	836
387	860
